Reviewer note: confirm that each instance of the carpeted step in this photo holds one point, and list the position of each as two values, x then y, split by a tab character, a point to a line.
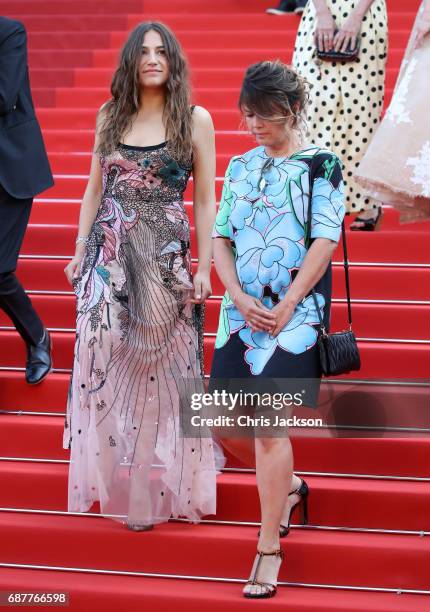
239	19
79	163
328	451
84	118
379	359
62	7
71	140
217	58
49	396
96	96
333	502
221	38
61	58
367	282
200	77
49	209
319	557
190	7
50	78
188	38
46	97
74	22
180	21
102	77
218	36
394	409
112	592
69	187
383	246
227	6
72	40
370	320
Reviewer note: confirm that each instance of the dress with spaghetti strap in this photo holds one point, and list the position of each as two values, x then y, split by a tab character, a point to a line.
137	338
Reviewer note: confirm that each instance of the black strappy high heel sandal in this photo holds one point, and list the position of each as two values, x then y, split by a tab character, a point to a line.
270	589
369	225
303	492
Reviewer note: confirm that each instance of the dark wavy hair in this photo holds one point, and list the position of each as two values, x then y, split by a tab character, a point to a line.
117	113
273	88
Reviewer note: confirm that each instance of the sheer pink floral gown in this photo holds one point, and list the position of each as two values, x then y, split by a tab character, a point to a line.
137	338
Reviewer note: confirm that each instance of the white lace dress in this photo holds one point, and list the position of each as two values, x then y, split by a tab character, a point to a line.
396	167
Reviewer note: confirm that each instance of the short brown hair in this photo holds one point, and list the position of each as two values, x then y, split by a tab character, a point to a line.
271	88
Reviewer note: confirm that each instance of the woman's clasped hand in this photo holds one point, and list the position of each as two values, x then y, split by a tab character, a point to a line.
347	35
255	313
261	318
328	36
325	31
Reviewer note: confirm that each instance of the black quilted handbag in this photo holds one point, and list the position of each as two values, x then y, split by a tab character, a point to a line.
338	351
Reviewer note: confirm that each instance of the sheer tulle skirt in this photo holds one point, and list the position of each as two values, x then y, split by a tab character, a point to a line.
396	167
137	340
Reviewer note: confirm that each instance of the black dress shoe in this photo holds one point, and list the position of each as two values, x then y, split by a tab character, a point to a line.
39	360
283	8
300	6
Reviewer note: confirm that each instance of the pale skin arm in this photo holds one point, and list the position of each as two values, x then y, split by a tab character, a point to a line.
204	199
423	25
325	26
257	316
314	265
88	211
346	35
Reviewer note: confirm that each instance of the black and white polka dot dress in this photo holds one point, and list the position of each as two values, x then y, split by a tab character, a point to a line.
346	98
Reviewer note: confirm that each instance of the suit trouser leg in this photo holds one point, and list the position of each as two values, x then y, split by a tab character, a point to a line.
17	305
14	215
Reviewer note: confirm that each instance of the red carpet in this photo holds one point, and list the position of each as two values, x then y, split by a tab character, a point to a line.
364	490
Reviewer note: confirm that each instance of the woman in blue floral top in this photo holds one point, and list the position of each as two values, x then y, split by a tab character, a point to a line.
269	323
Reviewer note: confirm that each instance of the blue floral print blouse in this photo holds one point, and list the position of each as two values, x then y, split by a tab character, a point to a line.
263	212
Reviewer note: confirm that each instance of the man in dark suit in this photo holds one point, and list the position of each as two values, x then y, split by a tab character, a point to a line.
24	172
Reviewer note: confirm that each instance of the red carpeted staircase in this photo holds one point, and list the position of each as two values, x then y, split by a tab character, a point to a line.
367	546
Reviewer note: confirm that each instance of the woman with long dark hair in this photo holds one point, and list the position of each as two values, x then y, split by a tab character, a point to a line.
269	252
140	309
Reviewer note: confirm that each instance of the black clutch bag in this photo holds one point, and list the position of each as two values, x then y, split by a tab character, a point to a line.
338	351
339	56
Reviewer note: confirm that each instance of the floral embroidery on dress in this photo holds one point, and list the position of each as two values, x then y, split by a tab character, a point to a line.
138	338
421	169
398	111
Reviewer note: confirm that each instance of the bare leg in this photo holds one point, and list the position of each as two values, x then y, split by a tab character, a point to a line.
274	467
244	450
